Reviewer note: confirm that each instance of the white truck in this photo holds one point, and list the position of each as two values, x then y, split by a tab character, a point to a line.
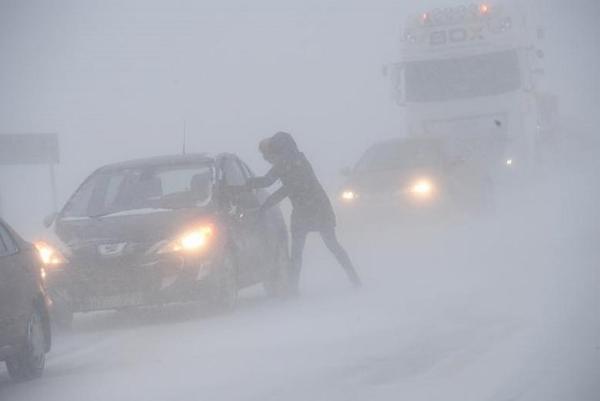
469	76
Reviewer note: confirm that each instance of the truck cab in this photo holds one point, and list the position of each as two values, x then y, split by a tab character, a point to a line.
468	75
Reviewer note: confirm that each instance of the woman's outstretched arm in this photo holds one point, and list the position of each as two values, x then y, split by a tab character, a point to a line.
262	182
275	198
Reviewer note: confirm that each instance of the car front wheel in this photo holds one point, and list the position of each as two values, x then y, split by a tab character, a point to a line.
30	361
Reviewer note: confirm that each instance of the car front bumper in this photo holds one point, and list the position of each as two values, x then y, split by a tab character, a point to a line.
84	285
386	207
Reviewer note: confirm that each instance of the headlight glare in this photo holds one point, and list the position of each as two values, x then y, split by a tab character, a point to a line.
349	195
49	255
190	242
422	187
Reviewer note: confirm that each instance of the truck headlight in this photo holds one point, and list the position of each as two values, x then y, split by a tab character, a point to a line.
192	241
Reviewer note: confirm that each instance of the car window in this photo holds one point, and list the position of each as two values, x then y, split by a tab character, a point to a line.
114	186
139	189
234	174
247	170
80	201
185	180
8	246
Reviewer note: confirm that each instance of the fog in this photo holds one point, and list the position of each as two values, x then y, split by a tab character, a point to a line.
107	74
500	305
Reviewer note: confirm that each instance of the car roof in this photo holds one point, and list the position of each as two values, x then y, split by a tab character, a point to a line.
156	161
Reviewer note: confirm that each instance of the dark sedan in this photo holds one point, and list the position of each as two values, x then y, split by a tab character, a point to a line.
163	230
24	324
411	175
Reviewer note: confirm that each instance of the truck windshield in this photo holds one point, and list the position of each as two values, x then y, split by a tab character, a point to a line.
400	155
141	190
462	78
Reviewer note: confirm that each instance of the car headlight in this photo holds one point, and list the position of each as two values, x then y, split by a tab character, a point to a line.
422	188
49	255
191	241
349	196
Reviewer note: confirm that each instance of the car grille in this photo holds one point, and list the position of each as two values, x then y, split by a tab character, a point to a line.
94	274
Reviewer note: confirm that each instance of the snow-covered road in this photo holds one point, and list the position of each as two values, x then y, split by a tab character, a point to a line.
502	309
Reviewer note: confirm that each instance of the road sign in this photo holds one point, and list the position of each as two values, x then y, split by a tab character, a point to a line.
29	149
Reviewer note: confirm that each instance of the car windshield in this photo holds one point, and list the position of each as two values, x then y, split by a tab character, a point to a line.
462	78
399	155
142	190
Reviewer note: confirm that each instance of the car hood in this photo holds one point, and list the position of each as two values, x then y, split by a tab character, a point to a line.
146	227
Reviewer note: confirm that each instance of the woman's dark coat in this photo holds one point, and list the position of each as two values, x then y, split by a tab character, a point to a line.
312	210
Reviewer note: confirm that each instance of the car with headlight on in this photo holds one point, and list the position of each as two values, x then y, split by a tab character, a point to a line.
25	333
406	176
162	230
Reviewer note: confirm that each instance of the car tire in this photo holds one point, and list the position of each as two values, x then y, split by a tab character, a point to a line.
30	361
225	286
276	281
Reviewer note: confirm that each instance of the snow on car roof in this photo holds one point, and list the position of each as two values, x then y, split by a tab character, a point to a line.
161	160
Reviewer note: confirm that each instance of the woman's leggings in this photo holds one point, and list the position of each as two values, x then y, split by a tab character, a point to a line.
330	239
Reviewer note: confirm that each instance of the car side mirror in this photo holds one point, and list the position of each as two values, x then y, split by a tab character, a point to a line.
48	220
346	172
